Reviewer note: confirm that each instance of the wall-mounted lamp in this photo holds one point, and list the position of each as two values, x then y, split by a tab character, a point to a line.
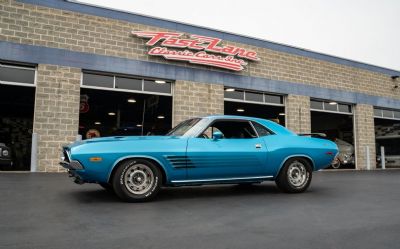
394	78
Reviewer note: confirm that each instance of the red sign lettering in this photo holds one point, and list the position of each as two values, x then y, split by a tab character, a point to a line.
202	44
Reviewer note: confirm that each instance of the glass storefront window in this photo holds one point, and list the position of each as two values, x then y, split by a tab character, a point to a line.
113	113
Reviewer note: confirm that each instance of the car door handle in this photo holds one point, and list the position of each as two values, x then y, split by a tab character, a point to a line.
258	146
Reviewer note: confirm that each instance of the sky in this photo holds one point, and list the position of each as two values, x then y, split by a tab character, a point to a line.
360	30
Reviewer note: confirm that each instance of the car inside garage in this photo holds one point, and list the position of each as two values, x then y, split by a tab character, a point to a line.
335	120
17	99
254	104
123	105
387	137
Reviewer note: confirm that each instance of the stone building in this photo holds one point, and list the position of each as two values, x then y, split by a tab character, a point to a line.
69	69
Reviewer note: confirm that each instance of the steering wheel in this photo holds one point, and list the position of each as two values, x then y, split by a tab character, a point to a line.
204	136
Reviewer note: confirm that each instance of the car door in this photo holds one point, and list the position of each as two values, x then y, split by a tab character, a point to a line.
240	153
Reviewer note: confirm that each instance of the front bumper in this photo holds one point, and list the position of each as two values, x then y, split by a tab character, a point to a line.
72	165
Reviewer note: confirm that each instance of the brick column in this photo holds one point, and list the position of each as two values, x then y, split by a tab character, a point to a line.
364	135
56	112
193	99
298	116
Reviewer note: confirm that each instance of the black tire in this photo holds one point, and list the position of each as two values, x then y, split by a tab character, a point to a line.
107	187
296	183
137	180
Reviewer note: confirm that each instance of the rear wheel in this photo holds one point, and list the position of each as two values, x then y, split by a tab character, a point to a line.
295	176
137	180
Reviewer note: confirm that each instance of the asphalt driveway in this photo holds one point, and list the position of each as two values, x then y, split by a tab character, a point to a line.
340	210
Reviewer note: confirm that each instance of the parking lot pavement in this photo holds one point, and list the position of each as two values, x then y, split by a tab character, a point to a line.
340	210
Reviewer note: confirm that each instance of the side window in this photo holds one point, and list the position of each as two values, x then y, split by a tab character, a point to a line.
261	130
209	131
233	129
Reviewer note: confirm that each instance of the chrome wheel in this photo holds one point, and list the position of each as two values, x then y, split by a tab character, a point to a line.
138	178
297	174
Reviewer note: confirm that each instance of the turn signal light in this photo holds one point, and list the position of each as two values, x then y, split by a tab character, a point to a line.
95	159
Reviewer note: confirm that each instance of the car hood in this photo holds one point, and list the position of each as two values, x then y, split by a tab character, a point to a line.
119	139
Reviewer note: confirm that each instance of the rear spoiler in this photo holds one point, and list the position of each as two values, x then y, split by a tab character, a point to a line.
313	134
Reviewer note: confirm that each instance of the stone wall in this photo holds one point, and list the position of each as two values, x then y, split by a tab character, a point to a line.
193	99
56	112
42	26
364	136
298	116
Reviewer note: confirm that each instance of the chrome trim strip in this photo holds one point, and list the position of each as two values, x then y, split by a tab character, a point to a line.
223	179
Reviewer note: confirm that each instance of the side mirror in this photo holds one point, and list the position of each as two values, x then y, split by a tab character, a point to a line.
217	135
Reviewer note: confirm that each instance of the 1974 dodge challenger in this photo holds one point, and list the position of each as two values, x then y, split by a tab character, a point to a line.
207	150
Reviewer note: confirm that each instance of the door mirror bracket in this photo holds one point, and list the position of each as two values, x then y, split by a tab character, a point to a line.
217	135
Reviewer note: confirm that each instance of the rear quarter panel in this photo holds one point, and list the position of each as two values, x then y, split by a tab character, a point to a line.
282	147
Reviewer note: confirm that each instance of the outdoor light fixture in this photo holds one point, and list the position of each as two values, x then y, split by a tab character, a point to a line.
333	103
131	100
394	78
138	125
240	110
111	113
229	89
160	81
97	123
160	117
282	114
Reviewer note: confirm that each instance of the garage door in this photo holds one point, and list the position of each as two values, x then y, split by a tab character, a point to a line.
387	136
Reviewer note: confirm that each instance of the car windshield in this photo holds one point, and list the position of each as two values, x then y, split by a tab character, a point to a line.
183	127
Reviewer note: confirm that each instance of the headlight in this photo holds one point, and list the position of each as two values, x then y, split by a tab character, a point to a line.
5	153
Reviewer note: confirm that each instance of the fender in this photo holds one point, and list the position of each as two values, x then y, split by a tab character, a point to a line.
139	157
291	156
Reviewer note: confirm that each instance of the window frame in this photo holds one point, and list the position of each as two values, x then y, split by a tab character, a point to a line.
228	119
326	102
244	99
114	75
19	66
269	130
381	110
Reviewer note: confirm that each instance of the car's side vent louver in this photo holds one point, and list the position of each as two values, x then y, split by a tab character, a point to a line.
179	161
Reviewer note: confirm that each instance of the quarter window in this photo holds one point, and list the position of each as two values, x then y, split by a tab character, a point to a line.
261	130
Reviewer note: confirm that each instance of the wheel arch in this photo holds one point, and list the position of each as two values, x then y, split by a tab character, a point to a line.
303	156
126	158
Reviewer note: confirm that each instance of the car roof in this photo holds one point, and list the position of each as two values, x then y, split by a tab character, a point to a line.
275	127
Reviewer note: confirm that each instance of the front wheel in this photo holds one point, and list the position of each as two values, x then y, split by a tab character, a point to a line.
295	176
137	180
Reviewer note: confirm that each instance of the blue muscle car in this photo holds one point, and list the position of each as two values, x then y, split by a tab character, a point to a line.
207	150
